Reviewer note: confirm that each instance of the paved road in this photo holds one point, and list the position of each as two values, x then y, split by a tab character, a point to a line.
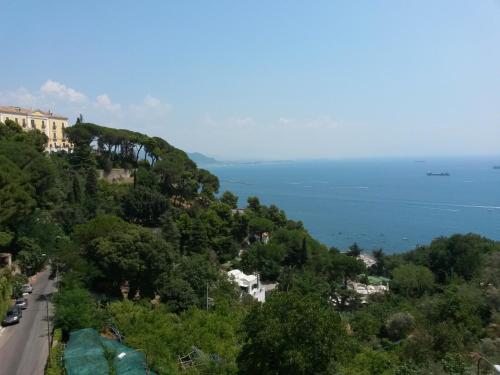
24	347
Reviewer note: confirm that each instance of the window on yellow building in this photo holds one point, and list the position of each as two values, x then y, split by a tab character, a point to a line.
24	122
17	122
33	124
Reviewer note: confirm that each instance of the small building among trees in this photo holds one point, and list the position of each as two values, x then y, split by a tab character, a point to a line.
249	284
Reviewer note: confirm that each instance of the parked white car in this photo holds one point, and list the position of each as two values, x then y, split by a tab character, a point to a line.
27	289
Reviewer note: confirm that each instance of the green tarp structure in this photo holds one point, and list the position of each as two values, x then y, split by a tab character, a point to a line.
84	354
88	353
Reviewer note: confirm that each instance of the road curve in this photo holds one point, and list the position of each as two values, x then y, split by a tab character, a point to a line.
24	346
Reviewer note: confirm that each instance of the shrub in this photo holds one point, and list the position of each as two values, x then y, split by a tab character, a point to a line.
399	325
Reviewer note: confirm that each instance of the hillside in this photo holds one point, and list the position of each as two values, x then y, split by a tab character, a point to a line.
151	257
201	159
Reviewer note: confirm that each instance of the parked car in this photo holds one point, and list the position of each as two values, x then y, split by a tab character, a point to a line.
22	303
13	316
27	288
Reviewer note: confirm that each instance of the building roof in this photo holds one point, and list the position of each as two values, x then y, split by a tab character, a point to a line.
241	278
29	112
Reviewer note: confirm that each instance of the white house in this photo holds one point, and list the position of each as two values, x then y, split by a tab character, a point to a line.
366	290
249	284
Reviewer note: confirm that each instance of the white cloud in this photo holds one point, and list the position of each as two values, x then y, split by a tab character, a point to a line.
150	106
104	101
61	91
21	97
151	112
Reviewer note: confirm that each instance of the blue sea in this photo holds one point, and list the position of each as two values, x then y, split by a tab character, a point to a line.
388	204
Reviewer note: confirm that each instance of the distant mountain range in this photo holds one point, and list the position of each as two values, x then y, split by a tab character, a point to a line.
201	159
204	160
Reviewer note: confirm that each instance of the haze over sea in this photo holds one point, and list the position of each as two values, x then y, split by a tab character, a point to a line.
388	204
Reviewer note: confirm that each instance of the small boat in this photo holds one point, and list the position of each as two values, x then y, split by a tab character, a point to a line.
496	167
438	174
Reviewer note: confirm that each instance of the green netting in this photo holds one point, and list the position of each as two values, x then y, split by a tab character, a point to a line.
132	363
89	353
84	354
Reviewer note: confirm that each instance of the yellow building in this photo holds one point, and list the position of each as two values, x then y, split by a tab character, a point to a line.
47	122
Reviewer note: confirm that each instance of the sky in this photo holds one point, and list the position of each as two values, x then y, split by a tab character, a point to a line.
243	80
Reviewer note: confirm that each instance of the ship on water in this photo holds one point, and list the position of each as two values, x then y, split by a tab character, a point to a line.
496	167
438	174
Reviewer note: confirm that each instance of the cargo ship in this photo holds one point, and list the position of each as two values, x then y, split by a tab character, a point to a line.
438	174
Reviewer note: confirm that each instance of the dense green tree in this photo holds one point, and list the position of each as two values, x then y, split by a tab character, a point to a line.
6	237
291	334
304	283
9	130
399	325
17	282
264	259
412	280
209	183
30	257
144	206
365	325
457	256
254	204
91	182
454	364
380	266
342	267
198	239
257	226
16	194
239	228
76	194
75	309
276	215
354	250
230	199
81	157
370	362
176	293
124	253
169	230
42	229
100	226
13	132
146	177
199	270
226	248
299	256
